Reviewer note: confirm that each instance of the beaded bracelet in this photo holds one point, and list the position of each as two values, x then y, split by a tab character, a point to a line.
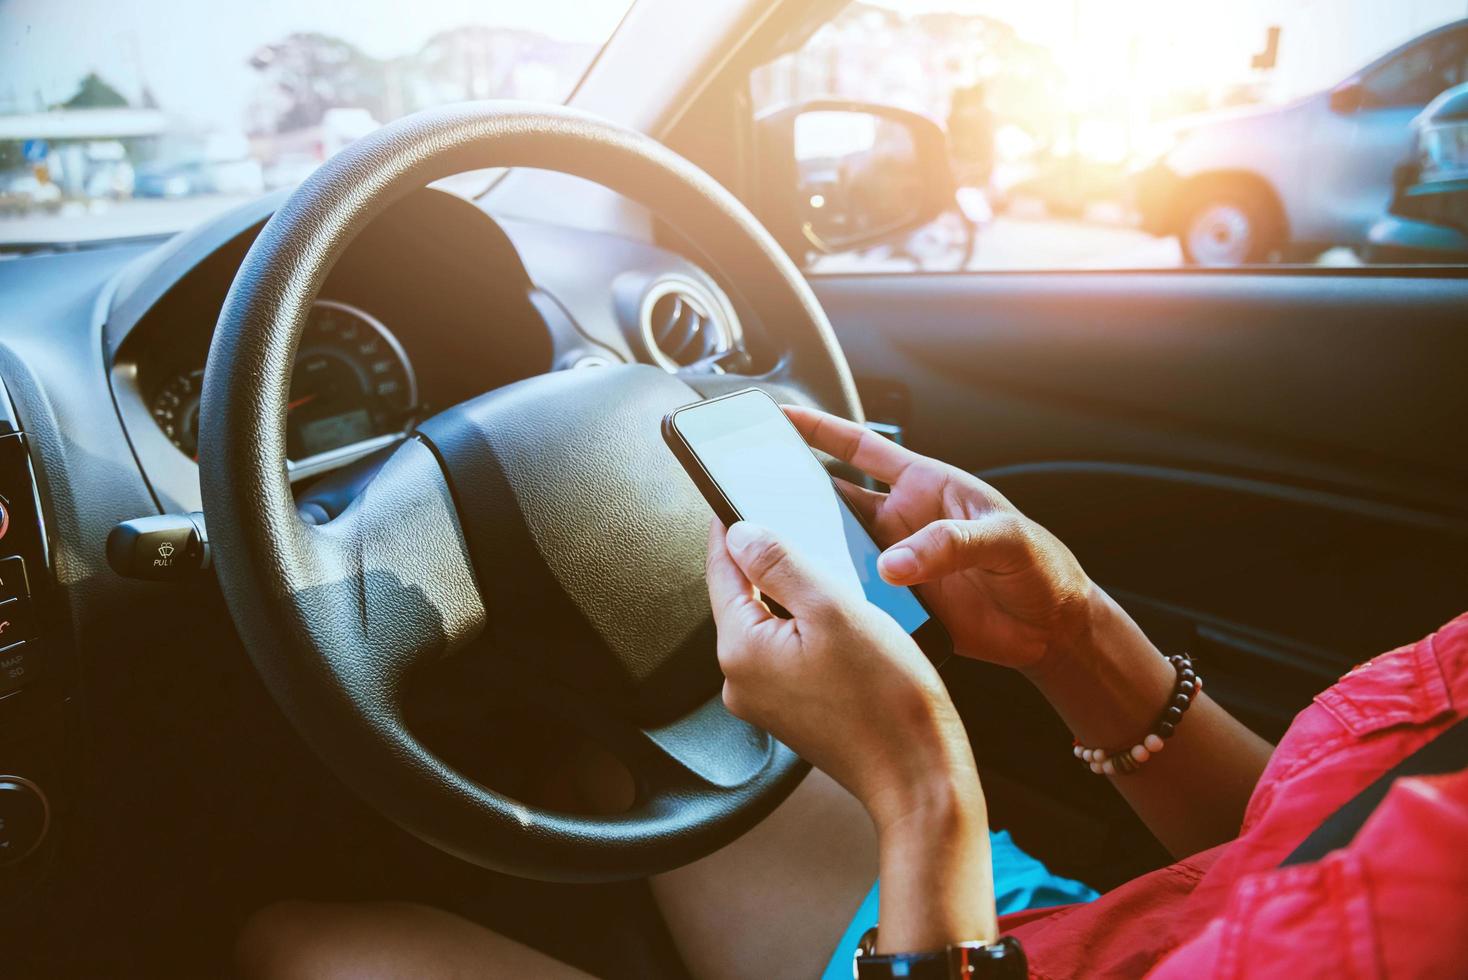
1120	762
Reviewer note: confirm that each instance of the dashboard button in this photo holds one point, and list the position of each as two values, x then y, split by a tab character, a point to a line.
19	665
15	621
12	578
24	815
4	517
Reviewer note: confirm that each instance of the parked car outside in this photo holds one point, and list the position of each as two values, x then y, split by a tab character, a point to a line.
1253	184
26	192
1428	219
185	178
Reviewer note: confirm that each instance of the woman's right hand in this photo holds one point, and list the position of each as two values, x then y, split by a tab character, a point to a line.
1012	594
1006	588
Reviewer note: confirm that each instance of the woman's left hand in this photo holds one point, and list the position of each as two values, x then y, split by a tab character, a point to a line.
843	685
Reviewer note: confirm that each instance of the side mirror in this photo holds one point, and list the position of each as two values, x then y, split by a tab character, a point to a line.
839	175
1348	97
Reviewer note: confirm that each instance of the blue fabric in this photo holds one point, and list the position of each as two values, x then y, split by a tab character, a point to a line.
1020	882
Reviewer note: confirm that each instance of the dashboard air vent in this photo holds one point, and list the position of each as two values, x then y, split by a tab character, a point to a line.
683	324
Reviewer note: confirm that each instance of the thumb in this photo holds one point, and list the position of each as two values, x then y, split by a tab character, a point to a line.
775	570
995	542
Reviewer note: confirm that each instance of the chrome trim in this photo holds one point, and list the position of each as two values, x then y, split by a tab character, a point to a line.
719	312
340	456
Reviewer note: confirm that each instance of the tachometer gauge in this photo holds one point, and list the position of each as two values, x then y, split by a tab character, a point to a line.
352	384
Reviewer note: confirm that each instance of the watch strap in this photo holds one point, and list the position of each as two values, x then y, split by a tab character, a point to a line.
1001	960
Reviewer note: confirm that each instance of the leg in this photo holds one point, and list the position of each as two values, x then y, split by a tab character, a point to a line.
381	941
775	902
772	904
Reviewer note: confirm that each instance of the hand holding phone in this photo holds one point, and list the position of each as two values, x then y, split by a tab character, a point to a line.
751	464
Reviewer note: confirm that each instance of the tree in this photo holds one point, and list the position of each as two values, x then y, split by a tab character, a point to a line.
307	73
95	93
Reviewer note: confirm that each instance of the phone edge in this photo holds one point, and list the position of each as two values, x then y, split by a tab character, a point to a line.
932	633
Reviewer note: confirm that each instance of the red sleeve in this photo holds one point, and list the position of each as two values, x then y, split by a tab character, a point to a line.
1360	912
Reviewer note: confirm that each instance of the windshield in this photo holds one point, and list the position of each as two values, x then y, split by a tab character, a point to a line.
122	118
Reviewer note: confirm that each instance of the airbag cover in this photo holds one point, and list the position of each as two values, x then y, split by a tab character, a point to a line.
587	536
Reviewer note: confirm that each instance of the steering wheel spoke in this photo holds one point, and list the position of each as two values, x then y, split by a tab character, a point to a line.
403	589
708	746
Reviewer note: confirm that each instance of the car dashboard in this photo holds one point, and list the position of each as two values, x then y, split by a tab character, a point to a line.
432	303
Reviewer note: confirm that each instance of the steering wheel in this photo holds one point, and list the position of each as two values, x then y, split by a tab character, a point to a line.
542	528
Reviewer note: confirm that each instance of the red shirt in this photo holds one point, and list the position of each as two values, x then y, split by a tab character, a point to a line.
1394	903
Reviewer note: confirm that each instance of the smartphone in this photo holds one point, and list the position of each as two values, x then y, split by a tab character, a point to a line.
750	463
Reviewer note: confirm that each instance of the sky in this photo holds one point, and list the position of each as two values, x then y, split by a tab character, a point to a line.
1204	41
47	45
191	52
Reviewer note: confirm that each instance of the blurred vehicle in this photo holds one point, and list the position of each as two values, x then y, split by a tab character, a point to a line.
192	177
107	173
26	193
290	157
1247	185
1428	219
232	169
181	178
290	169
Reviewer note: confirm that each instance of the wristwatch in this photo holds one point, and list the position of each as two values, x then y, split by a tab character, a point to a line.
1003	959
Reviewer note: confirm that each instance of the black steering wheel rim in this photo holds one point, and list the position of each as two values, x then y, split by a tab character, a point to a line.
337	617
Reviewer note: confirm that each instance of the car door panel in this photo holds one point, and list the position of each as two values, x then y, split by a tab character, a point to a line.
1267	470
1268	465
1275	590
1345	382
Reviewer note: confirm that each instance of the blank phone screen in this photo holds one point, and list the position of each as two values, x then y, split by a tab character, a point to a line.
766	470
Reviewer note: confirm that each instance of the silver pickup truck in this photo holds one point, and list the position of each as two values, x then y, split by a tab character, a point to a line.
1290	181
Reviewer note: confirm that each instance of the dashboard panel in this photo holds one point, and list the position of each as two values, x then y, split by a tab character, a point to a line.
434	302
428	306
353	387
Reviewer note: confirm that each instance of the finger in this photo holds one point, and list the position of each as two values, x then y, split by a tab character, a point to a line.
776	571
856	444
734	601
995	542
865	502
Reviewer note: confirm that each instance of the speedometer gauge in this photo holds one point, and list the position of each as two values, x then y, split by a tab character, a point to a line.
352	383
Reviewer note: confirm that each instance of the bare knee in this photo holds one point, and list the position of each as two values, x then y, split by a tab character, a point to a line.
283	940
293	940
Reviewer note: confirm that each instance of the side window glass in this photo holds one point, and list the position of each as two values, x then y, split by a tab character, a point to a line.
1455	60
1087	134
1412	78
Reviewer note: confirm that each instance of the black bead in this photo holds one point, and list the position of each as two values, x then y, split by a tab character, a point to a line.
1173	715
1187	687
1180	702
1166	729
1187	674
